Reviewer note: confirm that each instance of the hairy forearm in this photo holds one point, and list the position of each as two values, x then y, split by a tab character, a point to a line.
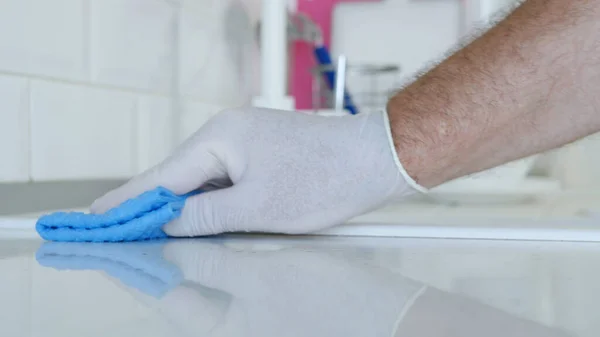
526	86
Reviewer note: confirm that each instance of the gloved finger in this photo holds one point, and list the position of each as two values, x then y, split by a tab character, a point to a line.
181	174
210	213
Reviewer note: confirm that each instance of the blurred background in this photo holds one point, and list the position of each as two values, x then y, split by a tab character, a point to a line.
93	92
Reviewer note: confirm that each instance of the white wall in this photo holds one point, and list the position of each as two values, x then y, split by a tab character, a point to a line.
86	85
407	33
404	33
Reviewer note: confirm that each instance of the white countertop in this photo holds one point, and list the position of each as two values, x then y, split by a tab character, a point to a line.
560	217
303	286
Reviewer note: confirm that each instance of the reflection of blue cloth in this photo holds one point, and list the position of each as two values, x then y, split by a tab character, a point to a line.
140	218
139	265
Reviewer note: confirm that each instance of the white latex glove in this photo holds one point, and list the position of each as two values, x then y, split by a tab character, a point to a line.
276	171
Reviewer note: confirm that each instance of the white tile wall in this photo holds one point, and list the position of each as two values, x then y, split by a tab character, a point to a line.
155	131
130	43
43	37
201	31
132	46
81	132
14	129
91	61
195	114
159	133
218	53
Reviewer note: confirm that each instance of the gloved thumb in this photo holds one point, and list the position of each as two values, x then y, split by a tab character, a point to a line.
210	213
181	174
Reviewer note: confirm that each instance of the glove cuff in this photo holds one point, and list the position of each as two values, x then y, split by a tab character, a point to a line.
411	182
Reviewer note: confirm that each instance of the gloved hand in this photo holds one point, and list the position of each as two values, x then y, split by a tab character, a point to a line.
276	171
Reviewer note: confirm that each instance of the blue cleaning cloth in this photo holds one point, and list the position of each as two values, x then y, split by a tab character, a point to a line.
138	265
140	218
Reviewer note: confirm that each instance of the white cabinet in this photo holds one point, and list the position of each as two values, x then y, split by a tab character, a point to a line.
81	132
14	152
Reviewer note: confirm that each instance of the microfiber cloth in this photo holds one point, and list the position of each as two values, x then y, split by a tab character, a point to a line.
139	218
139	265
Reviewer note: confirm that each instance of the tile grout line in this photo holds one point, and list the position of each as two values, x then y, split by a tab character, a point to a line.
135	140
29	133
87	35
175	90
50	79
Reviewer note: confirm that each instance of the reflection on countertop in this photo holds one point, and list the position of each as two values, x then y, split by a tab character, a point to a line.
302	286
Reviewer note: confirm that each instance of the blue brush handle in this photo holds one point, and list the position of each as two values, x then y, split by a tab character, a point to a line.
324	59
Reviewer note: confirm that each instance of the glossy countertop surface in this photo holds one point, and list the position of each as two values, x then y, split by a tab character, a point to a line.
299	286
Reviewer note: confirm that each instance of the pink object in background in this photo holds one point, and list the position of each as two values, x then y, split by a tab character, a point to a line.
321	12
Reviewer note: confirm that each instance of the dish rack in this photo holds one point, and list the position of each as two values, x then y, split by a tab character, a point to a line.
365	86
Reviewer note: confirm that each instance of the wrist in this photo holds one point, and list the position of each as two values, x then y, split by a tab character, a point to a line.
426	143
392	147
